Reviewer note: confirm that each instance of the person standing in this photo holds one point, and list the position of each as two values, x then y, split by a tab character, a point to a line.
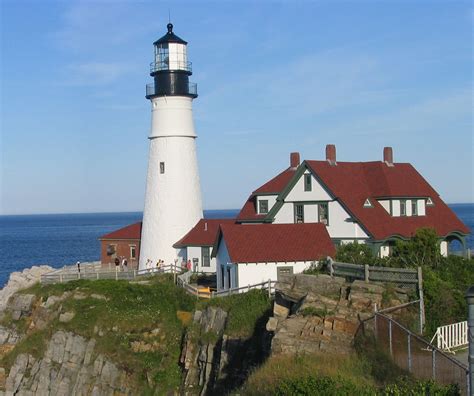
78	267
117	263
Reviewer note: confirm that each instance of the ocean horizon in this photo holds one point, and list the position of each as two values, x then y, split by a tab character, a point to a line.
65	238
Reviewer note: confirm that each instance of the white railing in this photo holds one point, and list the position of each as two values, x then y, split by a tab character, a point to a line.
451	336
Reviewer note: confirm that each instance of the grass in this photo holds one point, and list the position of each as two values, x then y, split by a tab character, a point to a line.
244	311
281	374
130	312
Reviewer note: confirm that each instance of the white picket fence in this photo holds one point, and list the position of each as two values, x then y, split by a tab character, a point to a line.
451	336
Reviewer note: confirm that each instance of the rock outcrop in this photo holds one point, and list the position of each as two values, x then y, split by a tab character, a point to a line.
69	366
322	313
22	280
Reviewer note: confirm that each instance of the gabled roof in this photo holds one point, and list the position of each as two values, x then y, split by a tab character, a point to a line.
353	182
262	243
204	233
274	186
132	231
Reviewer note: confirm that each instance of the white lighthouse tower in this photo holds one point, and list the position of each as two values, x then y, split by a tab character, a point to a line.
173	202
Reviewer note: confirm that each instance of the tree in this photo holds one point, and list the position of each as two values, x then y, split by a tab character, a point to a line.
421	250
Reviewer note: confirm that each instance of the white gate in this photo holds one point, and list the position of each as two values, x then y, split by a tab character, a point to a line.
451	336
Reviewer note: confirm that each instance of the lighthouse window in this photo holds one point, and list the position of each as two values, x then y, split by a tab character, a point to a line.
162	167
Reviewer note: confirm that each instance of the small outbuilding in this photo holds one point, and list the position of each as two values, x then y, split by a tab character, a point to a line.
254	253
123	244
197	244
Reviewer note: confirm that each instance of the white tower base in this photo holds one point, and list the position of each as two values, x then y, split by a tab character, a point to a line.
173	202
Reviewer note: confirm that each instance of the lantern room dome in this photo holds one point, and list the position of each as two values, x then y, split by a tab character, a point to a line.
170	37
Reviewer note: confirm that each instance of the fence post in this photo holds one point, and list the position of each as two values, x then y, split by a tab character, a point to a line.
269	288
409	353
61	278
390	336
433	363
366	272
470	336
116	275
375	320
97	275
422	300
331	269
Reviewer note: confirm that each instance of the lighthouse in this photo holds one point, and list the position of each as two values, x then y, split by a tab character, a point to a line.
173	202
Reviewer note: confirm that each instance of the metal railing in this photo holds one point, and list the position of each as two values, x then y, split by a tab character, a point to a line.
152	89
414	354
170	65
451	336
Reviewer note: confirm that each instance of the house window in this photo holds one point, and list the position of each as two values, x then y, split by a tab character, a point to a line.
429	202
307	182
414	207
263	206
206	256
111	250
162	167
323	213
299	213
133	251
223	276
403	207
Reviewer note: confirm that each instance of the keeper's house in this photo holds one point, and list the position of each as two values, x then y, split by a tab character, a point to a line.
251	254
375	202
122	243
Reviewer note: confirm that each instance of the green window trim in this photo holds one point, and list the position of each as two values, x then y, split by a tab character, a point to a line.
205	256
263	206
307	182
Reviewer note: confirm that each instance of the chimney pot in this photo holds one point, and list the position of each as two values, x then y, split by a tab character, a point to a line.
388	156
331	154
294	160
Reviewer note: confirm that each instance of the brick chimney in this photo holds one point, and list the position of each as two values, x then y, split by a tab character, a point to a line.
331	154
388	156
294	160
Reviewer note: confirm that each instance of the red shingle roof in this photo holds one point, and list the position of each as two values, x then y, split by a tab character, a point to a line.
204	233
275	186
262	243
132	231
353	182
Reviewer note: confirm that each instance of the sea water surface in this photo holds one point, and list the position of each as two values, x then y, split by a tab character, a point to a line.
60	239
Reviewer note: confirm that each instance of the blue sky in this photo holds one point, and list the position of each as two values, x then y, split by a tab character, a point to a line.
273	77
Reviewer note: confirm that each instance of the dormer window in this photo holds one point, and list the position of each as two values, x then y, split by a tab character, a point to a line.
263	206
403	207
414	207
307	182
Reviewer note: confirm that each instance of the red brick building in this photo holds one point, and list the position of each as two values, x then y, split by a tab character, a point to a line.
123	243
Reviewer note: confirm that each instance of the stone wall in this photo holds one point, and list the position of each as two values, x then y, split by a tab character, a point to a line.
323	313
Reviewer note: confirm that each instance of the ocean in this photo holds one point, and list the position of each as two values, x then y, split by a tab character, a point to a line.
59	239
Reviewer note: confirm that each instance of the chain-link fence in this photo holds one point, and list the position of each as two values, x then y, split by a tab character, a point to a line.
414	354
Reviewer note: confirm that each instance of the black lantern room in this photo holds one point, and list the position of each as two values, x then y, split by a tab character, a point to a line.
170	68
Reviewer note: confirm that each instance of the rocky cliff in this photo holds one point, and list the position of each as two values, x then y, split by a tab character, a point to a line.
119	338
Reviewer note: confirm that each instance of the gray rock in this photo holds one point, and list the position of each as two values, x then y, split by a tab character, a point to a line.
66	317
272	324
